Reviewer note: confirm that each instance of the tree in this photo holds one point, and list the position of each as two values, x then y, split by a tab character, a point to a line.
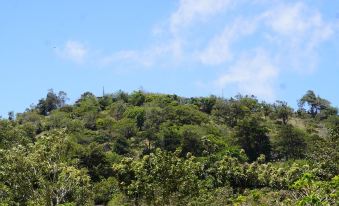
315	103
167	150
309	191
44	174
136	113
117	109
105	190
87	108
121	146
94	159
137	98
251	135
205	104
234	110
84	96
11	136
11	116
185	114
62	99
282	111
290	142
120	96
125	127
105	101
160	178
170	139
323	153
51	102
191	143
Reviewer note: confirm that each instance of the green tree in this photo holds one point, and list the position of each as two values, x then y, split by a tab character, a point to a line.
290	143
324	154
136	113
315	103
51	102
11	116
105	190
252	136
87	109
310	191
120	96
160	178
12	135
44	174
191	143
117	110
105	101
185	114
125	127
234	110
121	146
170	139
94	159
137	98
205	104
282	111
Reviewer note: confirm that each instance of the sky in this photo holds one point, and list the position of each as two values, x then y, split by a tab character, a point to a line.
273	49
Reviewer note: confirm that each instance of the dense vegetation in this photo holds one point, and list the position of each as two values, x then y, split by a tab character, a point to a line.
156	149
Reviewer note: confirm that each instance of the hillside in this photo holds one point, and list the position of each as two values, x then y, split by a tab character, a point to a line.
158	149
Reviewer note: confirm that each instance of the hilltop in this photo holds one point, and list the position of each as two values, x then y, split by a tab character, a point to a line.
159	149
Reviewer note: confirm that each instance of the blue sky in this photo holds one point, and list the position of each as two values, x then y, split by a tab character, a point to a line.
272	49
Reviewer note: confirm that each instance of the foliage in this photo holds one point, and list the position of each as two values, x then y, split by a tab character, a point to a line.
158	149
317	105
282	111
52	179
51	102
290	143
252	136
309	191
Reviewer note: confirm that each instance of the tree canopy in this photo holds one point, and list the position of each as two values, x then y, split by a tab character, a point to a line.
160	149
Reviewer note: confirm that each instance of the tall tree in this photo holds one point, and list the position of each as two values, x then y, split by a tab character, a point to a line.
282	111
51	102
315	103
252	136
290	142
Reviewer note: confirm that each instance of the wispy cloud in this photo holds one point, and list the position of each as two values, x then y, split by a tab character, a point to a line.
219	49
251	74
191	11
251	46
154	55
74	51
292	34
172	47
297	31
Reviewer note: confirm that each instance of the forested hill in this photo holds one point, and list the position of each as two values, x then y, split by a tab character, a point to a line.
157	149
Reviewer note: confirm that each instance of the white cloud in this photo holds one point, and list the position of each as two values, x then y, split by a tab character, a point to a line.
289	33
146	58
171	49
74	51
252	74
190	11
218	50
297	31
131	56
293	34
293	30
288	20
297	21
